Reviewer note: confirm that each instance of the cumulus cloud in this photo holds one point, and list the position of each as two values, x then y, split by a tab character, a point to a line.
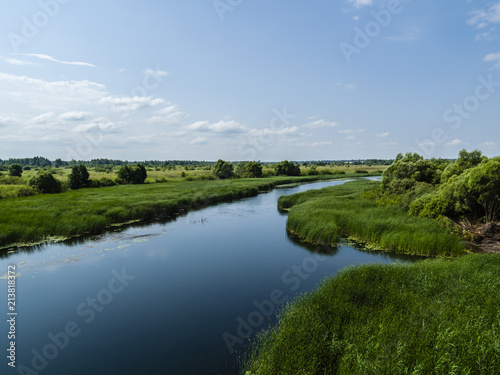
493	57
129	103
74	116
382	135
313	144
485	20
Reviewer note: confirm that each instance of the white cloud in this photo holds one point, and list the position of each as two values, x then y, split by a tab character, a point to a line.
218	127
129	103
456	142
489	144
360	3
493	57
351	138
321	124
108	127
382	135
6	121
171	114
267	132
199	141
350	131
143	140
74	116
50	58
41	119
485	19
155	72
18	62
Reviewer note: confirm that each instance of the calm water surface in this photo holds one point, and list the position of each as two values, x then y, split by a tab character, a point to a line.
174	298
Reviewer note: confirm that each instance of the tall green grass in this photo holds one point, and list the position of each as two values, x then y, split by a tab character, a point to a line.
433	317
325	216
92	211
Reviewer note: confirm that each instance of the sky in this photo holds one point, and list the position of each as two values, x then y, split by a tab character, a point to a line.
248	80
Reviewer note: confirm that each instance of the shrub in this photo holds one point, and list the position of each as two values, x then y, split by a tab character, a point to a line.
128	175
286	168
45	183
223	169
79	177
15	170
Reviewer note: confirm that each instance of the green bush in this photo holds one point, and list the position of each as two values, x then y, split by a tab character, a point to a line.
15	170
287	168
223	169
45	183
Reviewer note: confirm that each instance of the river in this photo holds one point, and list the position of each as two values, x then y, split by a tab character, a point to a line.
182	297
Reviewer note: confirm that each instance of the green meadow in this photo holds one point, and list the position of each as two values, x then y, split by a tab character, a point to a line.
325	216
43	217
433	317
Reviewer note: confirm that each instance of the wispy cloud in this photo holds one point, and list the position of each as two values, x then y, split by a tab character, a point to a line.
199	141
351	131
50	58
18	62
456	142
74	116
485	19
382	135
321	124
314	144
218	127
407	37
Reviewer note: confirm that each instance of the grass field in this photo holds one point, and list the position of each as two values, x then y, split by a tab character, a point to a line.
90	211
324	216
433	317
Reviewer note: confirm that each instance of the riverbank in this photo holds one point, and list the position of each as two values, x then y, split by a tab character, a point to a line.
433	317
325	216
51	217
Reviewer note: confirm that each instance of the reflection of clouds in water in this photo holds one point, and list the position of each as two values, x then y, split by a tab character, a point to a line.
89	253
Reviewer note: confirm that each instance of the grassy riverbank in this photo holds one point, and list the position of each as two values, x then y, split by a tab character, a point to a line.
432	317
92	211
324	216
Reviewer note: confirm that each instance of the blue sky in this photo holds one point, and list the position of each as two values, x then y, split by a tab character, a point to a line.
248	80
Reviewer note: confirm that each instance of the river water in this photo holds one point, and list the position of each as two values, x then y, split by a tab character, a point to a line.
182	297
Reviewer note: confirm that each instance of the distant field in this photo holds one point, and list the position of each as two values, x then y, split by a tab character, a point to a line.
91	211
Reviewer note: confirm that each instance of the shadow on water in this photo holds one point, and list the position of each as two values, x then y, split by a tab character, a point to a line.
326	250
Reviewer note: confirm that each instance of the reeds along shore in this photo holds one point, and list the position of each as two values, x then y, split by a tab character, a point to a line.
324	216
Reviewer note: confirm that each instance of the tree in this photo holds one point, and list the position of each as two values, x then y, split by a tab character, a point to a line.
223	169
466	160
250	170
15	170
45	183
287	168
79	177
484	186
130	175
58	163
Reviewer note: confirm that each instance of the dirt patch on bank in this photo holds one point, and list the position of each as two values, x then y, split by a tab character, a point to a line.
485	237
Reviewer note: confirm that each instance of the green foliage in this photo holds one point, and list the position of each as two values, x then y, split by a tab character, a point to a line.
223	169
465	161
413	168
45	183
129	175
287	168
251	169
360	171
79	177
325	216
432	317
15	170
